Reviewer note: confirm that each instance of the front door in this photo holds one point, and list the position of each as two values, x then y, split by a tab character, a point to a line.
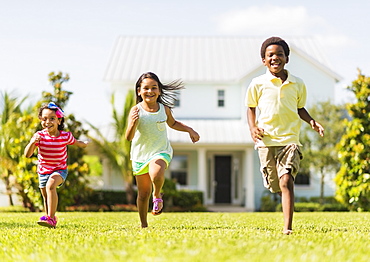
222	179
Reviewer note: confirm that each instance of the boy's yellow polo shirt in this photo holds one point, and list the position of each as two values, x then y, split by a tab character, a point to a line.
277	105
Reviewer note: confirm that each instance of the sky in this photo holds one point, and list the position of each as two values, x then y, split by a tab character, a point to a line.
76	37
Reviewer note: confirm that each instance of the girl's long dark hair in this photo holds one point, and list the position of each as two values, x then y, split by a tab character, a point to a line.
168	93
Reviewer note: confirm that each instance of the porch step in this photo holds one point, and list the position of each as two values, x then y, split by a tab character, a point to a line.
226	208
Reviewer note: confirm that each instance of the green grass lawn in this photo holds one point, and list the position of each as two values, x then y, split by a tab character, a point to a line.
186	237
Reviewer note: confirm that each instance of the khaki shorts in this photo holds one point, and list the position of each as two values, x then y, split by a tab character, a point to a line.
277	161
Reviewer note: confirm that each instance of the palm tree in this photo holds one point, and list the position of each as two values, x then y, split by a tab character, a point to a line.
9	131
117	151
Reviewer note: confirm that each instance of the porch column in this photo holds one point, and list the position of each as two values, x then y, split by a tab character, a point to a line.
249	181
202	173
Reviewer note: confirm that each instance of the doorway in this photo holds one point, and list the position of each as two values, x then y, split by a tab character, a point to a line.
222	179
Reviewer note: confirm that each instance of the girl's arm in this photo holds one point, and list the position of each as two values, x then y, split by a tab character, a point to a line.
256	132
132	123
171	122
305	116
30	148
81	144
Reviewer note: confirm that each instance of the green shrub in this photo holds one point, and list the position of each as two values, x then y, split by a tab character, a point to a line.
268	203
336	207
105	197
315	207
327	200
14	209
303	207
100	201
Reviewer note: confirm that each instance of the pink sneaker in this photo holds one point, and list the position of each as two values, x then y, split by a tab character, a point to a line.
47	221
156	210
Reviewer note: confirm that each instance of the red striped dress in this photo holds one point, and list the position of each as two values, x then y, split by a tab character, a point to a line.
52	151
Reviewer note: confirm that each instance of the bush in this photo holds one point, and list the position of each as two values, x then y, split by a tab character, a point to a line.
101	201
187	200
327	200
315	207
104	197
269	202
18	209
336	207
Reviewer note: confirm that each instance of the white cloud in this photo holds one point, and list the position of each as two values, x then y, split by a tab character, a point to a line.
270	20
258	20
277	20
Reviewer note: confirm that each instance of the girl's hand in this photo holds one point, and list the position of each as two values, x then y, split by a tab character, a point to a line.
35	139
132	123
256	133
135	115
317	127
194	136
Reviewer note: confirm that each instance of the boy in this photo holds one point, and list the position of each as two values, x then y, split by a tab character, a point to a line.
280	98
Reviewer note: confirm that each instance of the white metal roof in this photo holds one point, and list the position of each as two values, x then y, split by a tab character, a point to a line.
214	132
197	59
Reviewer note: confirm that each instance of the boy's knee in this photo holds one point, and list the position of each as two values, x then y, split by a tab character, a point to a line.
286	181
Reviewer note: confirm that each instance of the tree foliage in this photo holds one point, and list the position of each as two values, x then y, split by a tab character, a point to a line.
320	153
10	135
117	149
353	178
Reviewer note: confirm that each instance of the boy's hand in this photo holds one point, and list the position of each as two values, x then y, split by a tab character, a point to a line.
317	127
256	133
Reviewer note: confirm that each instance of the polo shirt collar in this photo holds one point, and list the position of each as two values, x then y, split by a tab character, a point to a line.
290	77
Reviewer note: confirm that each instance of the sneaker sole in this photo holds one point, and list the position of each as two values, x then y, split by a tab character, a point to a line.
45	224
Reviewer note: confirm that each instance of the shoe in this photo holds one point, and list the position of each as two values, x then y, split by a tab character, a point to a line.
43	218
156	211
47	221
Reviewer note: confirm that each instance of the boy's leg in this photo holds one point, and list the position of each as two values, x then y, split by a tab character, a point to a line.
144	188
52	195
287	200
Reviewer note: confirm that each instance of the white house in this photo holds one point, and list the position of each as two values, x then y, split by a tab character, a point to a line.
216	72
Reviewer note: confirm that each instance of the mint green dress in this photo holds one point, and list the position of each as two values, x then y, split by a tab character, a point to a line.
150	140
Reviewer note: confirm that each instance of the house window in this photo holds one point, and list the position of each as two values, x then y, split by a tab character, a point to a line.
302	178
221	98
179	169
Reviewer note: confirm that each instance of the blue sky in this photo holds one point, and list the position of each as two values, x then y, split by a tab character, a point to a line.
76	37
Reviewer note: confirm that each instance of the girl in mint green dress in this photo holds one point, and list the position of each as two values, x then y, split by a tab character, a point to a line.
151	152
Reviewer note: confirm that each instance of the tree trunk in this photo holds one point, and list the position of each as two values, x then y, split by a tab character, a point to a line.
322	184
9	190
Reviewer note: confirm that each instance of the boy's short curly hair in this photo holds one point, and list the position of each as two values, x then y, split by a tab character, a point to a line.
274	41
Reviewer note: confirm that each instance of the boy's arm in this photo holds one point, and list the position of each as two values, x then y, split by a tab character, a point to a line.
305	116
256	132
171	122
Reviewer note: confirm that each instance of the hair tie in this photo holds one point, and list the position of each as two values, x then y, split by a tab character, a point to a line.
59	113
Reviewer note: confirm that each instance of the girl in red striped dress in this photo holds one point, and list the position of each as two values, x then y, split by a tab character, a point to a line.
52	144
